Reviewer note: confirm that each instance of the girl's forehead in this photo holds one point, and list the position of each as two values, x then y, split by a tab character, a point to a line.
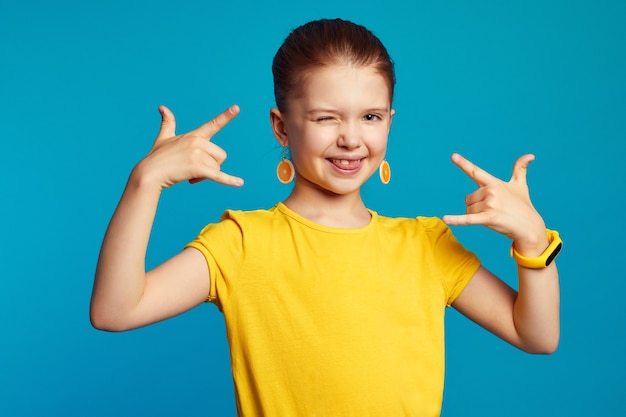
340	72
341	82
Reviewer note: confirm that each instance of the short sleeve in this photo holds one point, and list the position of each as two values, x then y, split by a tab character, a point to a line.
456	264
221	245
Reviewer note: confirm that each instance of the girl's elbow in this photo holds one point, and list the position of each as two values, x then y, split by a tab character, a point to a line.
100	323
545	347
106	322
550	348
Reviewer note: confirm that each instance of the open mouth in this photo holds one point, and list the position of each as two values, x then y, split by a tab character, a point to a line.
347	165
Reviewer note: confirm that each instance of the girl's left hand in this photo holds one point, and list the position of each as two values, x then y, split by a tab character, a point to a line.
502	206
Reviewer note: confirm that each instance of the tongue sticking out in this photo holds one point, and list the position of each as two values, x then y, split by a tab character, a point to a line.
346	164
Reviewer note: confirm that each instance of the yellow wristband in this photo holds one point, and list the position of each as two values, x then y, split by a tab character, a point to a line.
545	258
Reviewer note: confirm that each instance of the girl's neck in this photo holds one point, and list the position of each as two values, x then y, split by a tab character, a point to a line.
332	210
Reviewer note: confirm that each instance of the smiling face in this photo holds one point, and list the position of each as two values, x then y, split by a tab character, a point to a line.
336	126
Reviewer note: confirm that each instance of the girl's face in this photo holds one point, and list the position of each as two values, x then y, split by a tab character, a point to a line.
337	127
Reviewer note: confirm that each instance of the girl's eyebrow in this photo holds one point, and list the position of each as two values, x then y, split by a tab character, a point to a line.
332	110
378	110
322	110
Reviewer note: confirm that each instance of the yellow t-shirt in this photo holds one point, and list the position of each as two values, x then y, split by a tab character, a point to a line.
334	322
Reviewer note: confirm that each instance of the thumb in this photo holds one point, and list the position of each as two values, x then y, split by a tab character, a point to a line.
521	168
168	124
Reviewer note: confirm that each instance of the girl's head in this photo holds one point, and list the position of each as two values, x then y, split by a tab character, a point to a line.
334	83
322	43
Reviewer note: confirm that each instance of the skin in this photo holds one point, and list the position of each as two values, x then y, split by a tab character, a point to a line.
125	296
337	129
528	319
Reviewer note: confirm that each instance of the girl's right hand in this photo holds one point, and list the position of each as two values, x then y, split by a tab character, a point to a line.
189	157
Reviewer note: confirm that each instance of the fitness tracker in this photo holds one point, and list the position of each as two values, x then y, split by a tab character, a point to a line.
545	258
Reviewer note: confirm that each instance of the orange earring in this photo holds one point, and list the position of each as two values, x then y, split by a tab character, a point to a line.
285	170
385	172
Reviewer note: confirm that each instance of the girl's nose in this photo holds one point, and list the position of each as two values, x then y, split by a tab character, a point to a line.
349	135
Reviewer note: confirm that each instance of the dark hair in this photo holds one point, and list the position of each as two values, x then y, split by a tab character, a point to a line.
326	42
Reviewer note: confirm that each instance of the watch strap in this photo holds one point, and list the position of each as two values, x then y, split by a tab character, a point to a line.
545	258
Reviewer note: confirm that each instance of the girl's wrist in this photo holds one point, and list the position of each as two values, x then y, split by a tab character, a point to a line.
141	179
534	249
532	244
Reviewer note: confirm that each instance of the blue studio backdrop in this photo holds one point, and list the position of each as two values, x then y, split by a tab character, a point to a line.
80	83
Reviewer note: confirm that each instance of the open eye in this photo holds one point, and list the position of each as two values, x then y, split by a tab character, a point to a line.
372	117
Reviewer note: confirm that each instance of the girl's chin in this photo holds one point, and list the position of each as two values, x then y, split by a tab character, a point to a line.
340	187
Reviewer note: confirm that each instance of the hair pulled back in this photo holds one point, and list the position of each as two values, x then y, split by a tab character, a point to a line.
327	42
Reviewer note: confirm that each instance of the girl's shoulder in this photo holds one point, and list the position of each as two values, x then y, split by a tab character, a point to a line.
423	223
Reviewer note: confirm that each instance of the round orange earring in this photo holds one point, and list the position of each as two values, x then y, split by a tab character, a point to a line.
385	172
285	170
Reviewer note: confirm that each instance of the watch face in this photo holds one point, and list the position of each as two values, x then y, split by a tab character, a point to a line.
553	254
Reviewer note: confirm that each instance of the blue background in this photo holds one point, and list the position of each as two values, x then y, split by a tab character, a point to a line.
80	83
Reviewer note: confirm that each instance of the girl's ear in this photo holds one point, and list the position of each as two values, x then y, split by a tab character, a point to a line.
279	127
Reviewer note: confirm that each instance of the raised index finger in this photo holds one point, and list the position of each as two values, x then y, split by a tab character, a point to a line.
477	174
210	128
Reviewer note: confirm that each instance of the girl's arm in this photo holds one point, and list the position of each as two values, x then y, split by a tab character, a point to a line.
124	295
528	318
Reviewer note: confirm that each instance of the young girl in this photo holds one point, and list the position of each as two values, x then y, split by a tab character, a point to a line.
330	308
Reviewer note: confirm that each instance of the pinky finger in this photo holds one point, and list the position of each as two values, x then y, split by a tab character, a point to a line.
462	219
226	179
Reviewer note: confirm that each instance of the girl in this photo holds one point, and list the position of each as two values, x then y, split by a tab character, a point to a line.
330	308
